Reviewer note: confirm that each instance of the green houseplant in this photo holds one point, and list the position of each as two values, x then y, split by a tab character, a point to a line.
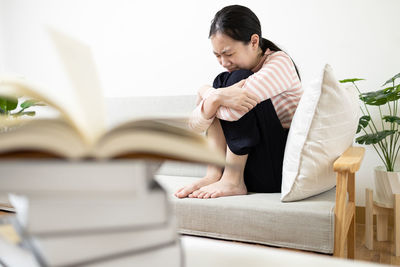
8	110
383	133
8	107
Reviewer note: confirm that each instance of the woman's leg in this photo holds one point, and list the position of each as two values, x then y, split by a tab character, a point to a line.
216	138
256	145
232	180
263	172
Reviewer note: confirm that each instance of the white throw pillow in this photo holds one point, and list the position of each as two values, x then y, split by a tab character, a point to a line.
323	127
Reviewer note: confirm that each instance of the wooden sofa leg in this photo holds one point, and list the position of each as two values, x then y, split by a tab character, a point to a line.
345	167
369	217
340	214
351	234
397	224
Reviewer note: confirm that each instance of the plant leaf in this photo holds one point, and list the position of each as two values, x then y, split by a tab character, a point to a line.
30	103
392	119
374	138
351	80
27	113
8	104
380	97
363	122
391	80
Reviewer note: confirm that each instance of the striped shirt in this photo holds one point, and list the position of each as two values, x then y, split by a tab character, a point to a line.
274	78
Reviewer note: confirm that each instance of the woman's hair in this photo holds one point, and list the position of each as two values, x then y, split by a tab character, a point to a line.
240	23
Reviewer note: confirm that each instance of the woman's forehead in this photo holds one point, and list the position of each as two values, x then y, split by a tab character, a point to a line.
222	43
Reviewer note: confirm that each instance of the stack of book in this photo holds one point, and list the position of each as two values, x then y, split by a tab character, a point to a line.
82	200
92	213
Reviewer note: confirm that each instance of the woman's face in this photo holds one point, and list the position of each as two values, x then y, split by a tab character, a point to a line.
234	55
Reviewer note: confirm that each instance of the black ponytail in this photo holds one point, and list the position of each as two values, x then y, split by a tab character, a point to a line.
267	44
240	23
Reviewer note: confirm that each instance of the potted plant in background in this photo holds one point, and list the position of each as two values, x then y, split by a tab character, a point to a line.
382	132
8	110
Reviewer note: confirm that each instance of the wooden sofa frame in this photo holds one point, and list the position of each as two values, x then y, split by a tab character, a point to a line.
345	167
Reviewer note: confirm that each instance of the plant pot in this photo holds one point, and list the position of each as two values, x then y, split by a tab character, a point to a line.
386	184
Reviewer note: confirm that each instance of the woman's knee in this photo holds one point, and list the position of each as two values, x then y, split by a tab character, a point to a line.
238	75
243	145
225	79
220	80
241	135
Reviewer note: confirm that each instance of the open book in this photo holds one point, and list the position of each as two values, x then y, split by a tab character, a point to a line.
81	132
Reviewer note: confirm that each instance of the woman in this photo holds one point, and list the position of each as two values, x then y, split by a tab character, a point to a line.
249	115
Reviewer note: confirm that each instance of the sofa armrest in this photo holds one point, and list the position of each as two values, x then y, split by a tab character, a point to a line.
350	160
345	167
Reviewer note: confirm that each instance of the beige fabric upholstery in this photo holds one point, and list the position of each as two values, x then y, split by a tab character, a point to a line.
323	127
120	109
256	218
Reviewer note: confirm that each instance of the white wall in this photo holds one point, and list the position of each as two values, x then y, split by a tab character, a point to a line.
161	47
2	52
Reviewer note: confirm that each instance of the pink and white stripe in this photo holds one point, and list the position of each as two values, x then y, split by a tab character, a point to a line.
276	80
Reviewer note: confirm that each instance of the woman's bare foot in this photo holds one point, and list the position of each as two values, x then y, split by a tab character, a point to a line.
230	184
213	175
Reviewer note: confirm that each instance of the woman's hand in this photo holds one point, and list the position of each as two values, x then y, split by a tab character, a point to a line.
237	98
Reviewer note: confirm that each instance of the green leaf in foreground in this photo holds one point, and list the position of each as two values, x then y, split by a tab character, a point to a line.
22	113
30	103
8	104
28	113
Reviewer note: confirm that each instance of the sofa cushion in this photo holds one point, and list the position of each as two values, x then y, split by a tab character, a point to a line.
178	168
323	127
120	109
257	218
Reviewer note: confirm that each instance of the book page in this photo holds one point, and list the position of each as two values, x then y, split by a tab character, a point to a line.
5	204
17	86
81	70
53	136
155	137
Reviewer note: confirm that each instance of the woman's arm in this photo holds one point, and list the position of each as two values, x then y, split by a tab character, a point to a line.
234	97
275	77
198	121
210	101
231	103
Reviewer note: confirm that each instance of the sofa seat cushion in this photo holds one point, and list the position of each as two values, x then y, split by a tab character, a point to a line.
256	218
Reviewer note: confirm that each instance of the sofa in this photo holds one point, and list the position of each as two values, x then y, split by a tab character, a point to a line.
263	218
319	219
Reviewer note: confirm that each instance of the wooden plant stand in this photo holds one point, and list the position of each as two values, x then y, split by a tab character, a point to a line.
382	214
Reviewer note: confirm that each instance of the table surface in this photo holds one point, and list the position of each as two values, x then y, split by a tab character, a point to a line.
200	252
